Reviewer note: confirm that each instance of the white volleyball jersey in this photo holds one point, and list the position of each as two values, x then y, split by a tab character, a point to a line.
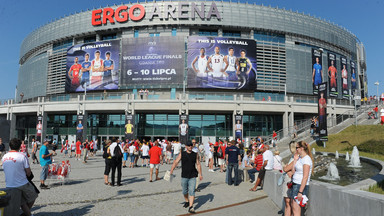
231	63
202	66
96	65
217	64
183	129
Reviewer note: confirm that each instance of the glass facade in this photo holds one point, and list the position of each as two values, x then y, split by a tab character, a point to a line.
62	44
227	33
108	37
90	39
206	32
269	36
261	125
154	34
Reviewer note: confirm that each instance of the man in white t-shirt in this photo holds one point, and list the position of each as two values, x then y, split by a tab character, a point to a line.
17	171
145	156
267	165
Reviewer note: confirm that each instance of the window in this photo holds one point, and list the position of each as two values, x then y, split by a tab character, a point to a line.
90	39
231	33
108	37
136	33
62	45
269	36
174	30
208	33
154	34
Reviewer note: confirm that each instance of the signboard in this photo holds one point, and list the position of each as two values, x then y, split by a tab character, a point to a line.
317	70
94	66
322	111
80	128
344	77
353	76
183	129
39	128
332	75
222	63
238	127
129	127
153	61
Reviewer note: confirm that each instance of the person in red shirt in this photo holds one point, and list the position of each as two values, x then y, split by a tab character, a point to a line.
78	149
74	74
274	139
376	109
257	165
221	156
155	156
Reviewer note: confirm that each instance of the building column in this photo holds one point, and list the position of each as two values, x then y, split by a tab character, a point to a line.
285	124
291	121
12	133
44	131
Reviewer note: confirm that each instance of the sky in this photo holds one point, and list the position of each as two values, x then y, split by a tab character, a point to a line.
18	18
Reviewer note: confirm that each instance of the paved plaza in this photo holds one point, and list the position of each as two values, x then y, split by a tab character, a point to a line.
84	193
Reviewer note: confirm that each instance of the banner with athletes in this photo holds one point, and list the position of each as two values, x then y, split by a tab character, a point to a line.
94	66
317	70
344	77
39	128
353	76
183	129
153	61
238	127
322	111
332	75
222	63
80	128
129	127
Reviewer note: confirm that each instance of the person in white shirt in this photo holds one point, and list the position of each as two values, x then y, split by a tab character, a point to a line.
267	165
131	151
277	161
382	116
176	149
302	166
145	156
17	171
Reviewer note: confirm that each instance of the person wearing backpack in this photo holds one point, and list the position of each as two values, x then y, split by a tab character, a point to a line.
116	152
221	156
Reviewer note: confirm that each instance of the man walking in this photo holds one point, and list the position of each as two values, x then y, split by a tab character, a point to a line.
189	162
116	152
45	160
34	151
155	156
232	157
17	171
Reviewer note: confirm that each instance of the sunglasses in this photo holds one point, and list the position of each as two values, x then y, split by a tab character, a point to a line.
298	147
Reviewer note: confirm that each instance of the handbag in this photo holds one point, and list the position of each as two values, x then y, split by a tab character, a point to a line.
281	179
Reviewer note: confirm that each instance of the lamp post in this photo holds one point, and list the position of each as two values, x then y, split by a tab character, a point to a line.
377	93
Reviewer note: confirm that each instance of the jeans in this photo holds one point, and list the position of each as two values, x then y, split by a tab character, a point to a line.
44	172
116	164
188	185
251	174
235	168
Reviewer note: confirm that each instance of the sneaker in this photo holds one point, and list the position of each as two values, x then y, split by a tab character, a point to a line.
43	186
186	204
191	210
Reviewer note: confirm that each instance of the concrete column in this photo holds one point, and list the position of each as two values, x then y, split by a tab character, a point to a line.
285	124
291	120
44	131
220	32
85	125
12	133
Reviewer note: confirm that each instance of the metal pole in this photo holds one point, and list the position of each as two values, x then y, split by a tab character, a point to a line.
184	89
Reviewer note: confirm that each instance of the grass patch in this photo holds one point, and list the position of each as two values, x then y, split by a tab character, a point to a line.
378	188
368	139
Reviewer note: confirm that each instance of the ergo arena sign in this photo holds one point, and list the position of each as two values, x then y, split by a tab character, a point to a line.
170	10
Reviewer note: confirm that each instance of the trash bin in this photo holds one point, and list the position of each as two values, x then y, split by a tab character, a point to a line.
4	200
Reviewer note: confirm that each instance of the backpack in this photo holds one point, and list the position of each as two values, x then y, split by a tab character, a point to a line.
117	153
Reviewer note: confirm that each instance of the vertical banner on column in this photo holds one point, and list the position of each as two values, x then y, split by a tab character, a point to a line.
238	127
183	129
39	128
80	128
317	70
344	77
353	77
322	109
129	127
332	75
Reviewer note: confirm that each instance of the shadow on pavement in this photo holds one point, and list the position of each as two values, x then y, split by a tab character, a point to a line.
132	180
204	185
77	211
68	182
201	200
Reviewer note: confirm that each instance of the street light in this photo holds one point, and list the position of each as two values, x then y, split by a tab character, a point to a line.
377	94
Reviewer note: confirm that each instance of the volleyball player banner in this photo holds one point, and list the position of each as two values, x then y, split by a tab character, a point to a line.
152	61
238	127
222	63
317	70
93	66
353	76
344	78
39	128
80	128
322	111
183	129
332	75
129	127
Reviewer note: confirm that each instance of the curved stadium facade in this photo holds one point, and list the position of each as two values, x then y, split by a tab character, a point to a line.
281	47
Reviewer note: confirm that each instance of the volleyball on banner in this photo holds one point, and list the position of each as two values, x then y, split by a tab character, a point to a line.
322	110
222	63
183	129
94	66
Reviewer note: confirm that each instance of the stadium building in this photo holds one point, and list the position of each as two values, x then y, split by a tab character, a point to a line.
222	66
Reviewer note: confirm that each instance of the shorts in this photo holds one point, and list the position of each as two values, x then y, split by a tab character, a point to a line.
145	157
44	172
72	150
125	156
317	81
34	156
261	174
78	151
54	148
221	161
188	185
295	190
156	166
28	193
175	156
210	155
169	155
132	156
91	150
107	166
66	152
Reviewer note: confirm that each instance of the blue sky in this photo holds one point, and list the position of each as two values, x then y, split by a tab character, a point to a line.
20	17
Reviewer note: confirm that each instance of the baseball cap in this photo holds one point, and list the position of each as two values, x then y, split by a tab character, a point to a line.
189	143
261	146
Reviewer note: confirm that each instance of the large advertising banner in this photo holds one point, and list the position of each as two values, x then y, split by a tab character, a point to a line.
80	128
222	63
353	76
94	66
183	129
238	127
39	128
322	109
153	61
344	77
317	70
129	127
332	75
